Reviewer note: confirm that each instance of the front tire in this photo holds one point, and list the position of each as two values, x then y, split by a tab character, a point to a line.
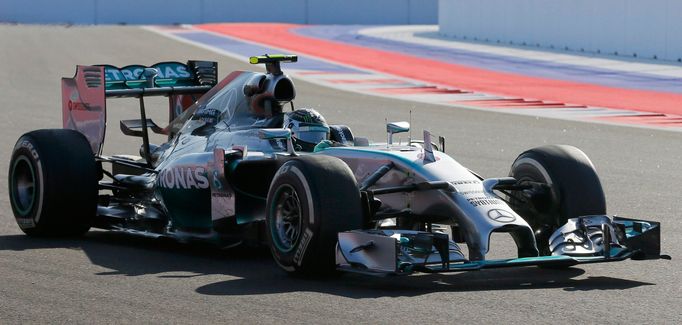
572	189
311	200
53	183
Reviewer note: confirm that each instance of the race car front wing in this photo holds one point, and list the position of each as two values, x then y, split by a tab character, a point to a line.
588	239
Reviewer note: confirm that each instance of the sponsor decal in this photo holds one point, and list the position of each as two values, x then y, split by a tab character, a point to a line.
29	146
468	187
302	246
75	103
465	182
221	194
217	183
173	72
222	205
134	72
282	170
483	200
183	178
502	216
474	192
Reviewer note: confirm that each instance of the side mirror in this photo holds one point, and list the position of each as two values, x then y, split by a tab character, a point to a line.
272	134
396	127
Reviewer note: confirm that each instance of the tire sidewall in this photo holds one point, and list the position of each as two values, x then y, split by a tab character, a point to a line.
25	149
292	174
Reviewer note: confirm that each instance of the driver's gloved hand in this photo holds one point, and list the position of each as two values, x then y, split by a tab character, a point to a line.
324	144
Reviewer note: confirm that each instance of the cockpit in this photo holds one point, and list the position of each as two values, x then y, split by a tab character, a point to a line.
249	100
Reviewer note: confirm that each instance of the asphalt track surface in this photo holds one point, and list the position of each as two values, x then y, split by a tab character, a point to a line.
113	278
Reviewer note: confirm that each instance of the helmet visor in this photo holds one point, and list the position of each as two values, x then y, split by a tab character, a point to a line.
311	134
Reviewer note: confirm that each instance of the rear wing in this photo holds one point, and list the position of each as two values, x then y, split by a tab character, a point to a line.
84	96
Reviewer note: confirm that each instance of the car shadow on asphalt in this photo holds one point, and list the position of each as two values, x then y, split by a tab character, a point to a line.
252	271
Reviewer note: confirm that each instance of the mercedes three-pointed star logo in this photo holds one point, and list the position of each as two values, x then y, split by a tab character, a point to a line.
502	216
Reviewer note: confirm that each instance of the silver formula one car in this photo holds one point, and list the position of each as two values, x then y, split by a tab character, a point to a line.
242	165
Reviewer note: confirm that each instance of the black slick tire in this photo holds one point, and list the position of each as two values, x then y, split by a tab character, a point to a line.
53	183
573	184
311	199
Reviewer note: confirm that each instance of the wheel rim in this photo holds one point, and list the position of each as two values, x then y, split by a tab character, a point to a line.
23	183
287	221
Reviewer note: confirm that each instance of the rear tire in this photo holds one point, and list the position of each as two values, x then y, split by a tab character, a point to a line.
311	200
574	189
53	183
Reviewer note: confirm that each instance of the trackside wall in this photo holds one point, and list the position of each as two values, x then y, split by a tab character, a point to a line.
649	29
207	11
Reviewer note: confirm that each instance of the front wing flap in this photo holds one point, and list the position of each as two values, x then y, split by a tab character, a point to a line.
402	252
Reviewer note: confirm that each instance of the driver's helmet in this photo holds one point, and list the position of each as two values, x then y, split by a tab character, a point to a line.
308	128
